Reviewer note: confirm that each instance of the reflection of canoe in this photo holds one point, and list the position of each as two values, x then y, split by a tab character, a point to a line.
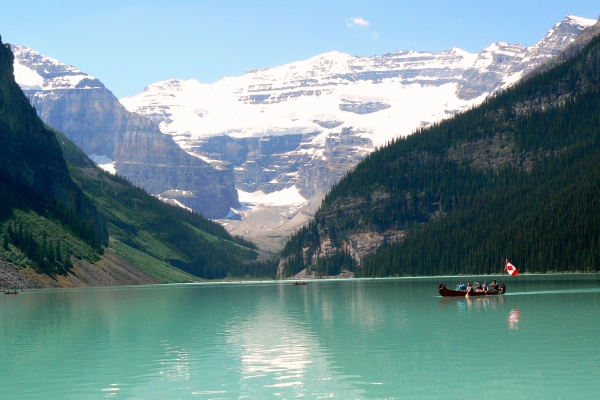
300	283
456	293
9	292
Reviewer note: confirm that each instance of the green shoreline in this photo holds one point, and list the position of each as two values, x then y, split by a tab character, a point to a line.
246	281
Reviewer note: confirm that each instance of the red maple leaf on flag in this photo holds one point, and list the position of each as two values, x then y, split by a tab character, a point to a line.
511	269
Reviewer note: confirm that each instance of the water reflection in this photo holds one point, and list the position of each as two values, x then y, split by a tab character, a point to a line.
279	352
514	317
111	391
476	304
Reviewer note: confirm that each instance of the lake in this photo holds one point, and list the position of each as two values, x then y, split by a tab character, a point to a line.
384	338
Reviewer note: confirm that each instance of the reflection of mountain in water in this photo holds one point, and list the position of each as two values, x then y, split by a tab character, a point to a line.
279	349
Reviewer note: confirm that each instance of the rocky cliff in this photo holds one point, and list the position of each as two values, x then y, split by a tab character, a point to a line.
88	113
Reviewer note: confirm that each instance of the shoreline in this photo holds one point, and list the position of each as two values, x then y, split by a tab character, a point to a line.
30	284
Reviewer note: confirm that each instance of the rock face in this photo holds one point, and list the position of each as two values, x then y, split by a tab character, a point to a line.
274	163
153	161
92	117
571	50
253	159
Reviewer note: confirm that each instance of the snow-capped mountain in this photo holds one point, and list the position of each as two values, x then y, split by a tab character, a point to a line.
35	71
304	124
288	132
119	141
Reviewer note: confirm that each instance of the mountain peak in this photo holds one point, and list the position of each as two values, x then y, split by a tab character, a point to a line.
173	84
35	71
575	20
568	29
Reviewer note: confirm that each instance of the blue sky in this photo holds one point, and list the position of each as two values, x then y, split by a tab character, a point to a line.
129	44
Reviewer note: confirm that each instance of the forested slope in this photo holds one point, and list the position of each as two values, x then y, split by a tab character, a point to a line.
516	177
37	194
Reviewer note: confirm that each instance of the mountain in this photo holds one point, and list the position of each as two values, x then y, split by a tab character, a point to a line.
36	188
66	222
502	64
516	177
569	51
300	127
282	136
80	106
166	241
32	171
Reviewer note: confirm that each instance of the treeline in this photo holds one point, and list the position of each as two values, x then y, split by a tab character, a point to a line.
79	218
198	246
47	255
27	243
515	177
548	220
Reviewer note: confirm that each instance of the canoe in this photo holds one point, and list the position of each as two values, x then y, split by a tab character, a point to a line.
301	283
9	292
445	292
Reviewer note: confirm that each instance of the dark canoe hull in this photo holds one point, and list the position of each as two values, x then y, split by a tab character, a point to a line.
445	292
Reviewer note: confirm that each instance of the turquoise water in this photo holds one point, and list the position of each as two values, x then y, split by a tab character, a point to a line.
390	338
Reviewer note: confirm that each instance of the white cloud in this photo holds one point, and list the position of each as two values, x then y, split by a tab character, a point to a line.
358	22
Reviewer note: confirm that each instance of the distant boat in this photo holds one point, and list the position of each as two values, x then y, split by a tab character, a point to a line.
445	292
300	283
9	292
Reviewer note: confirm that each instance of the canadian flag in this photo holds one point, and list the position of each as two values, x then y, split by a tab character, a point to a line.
511	269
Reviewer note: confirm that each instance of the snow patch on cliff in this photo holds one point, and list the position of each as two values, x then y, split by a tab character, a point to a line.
27	78
104	162
286	197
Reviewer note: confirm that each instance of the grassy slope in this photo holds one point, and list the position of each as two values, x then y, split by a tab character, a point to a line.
137	224
151	265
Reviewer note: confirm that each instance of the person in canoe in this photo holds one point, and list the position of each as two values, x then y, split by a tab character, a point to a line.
485	286
469	288
461	286
494	285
